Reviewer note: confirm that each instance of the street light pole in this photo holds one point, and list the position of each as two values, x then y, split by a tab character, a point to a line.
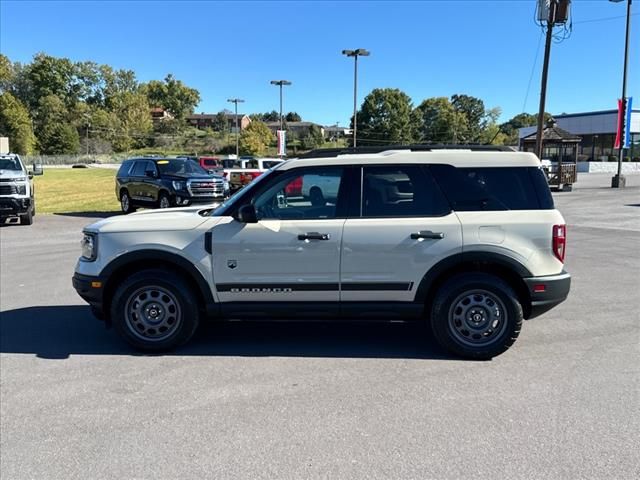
360	52
235	101
618	181
281	83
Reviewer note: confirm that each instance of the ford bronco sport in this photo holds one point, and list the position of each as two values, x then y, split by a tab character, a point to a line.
466	239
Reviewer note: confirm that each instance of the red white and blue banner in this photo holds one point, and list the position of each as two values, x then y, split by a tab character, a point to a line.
282	143
623	130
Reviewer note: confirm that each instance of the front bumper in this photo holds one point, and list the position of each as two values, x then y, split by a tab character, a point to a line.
556	289
91	289
11	206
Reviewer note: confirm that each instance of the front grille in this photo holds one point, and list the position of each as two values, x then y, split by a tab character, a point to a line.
206	188
8	190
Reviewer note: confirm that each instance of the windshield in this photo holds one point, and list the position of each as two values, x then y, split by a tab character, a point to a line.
232	200
10	164
179	166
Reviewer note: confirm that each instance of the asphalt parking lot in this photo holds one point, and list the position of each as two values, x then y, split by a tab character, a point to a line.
325	401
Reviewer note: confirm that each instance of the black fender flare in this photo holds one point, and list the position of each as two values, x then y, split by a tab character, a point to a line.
166	257
449	263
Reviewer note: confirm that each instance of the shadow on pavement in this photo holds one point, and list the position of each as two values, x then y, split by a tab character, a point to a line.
89	214
56	332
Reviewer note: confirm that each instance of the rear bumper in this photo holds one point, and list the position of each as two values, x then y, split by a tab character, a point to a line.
556	290
91	289
10	206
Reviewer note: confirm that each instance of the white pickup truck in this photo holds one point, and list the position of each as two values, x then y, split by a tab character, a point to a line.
250	169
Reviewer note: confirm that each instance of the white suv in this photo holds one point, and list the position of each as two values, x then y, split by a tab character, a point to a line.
465	239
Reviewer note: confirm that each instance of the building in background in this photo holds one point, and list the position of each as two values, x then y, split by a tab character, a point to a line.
207	120
598	133
299	129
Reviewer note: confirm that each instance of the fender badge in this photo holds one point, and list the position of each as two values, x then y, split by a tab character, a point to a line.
232	264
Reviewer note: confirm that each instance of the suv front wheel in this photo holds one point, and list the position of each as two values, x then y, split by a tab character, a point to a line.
155	310
476	315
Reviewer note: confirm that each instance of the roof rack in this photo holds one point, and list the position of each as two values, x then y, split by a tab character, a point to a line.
334	152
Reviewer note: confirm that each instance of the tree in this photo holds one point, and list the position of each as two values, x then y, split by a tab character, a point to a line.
133	113
47	75
473	110
293	117
510	127
220	123
314	138
385	117
6	74
56	135
437	121
15	123
255	139
172	95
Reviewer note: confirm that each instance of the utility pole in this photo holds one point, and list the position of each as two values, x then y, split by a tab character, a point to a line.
618	181
360	52
545	72
235	101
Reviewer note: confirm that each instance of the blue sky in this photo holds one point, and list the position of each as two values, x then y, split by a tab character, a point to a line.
229	49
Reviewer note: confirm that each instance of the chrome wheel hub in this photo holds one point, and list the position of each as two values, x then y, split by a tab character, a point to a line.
477	318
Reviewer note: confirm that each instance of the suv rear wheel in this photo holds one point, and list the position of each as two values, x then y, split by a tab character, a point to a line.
125	202
476	315
155	310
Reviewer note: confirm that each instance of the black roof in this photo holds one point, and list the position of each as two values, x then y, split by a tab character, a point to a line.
334	152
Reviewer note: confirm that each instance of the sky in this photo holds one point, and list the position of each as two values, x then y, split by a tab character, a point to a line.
486	49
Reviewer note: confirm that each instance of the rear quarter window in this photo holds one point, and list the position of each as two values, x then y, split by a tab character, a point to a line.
494	188
124	168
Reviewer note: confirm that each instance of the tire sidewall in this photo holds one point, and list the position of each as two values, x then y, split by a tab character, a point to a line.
184	296
130	206
451	290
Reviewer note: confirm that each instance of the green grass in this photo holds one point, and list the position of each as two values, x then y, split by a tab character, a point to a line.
65	190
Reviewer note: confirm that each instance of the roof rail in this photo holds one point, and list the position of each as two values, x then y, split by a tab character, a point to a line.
334	152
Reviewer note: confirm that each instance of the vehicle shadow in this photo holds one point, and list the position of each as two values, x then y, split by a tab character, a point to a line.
88	214
56	332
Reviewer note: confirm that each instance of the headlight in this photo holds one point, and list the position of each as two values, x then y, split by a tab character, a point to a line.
179	185
225	184
89	245
21	189
19	179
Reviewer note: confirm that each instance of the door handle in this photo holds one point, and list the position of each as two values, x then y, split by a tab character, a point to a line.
314	236
427	234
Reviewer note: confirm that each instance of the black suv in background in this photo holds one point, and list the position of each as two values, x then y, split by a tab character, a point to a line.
166	182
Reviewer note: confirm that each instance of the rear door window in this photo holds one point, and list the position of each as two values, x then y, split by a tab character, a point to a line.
401	191
139	168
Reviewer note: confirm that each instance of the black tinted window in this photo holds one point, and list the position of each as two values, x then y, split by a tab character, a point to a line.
139	168
124	168
495	188
401	191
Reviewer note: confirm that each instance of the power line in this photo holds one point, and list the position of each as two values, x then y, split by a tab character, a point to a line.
533	68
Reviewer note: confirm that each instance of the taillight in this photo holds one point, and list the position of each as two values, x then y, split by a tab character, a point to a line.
559	241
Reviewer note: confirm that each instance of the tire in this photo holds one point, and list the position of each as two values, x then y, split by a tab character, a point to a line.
476	316
126	205
27	218
164	201
155	310
567	188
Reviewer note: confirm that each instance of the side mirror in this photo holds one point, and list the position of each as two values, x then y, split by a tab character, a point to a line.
37	169
150	173
247	214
